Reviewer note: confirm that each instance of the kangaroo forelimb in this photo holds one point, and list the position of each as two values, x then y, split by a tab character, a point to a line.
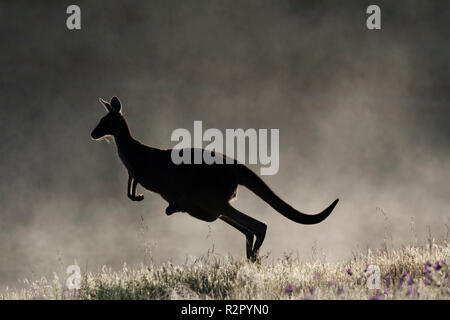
131	190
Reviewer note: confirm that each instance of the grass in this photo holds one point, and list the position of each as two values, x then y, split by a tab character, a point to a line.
413	272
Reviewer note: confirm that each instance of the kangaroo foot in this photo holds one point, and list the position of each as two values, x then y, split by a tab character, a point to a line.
171	209
138	197
258	242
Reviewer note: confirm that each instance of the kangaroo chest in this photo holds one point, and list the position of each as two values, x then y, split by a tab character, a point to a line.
132	162
143	169
125	159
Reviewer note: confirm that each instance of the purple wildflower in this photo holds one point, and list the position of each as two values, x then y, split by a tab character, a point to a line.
377	295
409	292
438	265
410	281
311	290
388	281
427	264
403	278
427	282
288	289
426	270
367	268
349	271
340	290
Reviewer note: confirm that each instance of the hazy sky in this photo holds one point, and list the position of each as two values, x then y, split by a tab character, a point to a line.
363	116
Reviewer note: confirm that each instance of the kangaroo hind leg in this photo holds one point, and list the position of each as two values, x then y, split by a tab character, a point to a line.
249	237
254	226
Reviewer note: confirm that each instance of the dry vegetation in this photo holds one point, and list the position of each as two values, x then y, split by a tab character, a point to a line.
415	272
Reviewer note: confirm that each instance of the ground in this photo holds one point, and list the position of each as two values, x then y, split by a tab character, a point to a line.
412	272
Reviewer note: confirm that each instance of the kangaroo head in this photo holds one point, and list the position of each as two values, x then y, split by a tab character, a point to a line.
113	122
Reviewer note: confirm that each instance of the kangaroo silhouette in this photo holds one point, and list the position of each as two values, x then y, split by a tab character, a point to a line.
202	190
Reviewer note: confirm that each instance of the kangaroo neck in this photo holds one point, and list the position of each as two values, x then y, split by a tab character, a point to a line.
123	138
125	148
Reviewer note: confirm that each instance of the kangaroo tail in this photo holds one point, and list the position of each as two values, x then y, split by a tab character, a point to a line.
249	179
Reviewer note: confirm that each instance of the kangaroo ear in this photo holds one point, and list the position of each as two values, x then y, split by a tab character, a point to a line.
115	105
106	104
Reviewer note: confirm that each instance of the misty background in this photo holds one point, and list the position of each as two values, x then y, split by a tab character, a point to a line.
363	116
